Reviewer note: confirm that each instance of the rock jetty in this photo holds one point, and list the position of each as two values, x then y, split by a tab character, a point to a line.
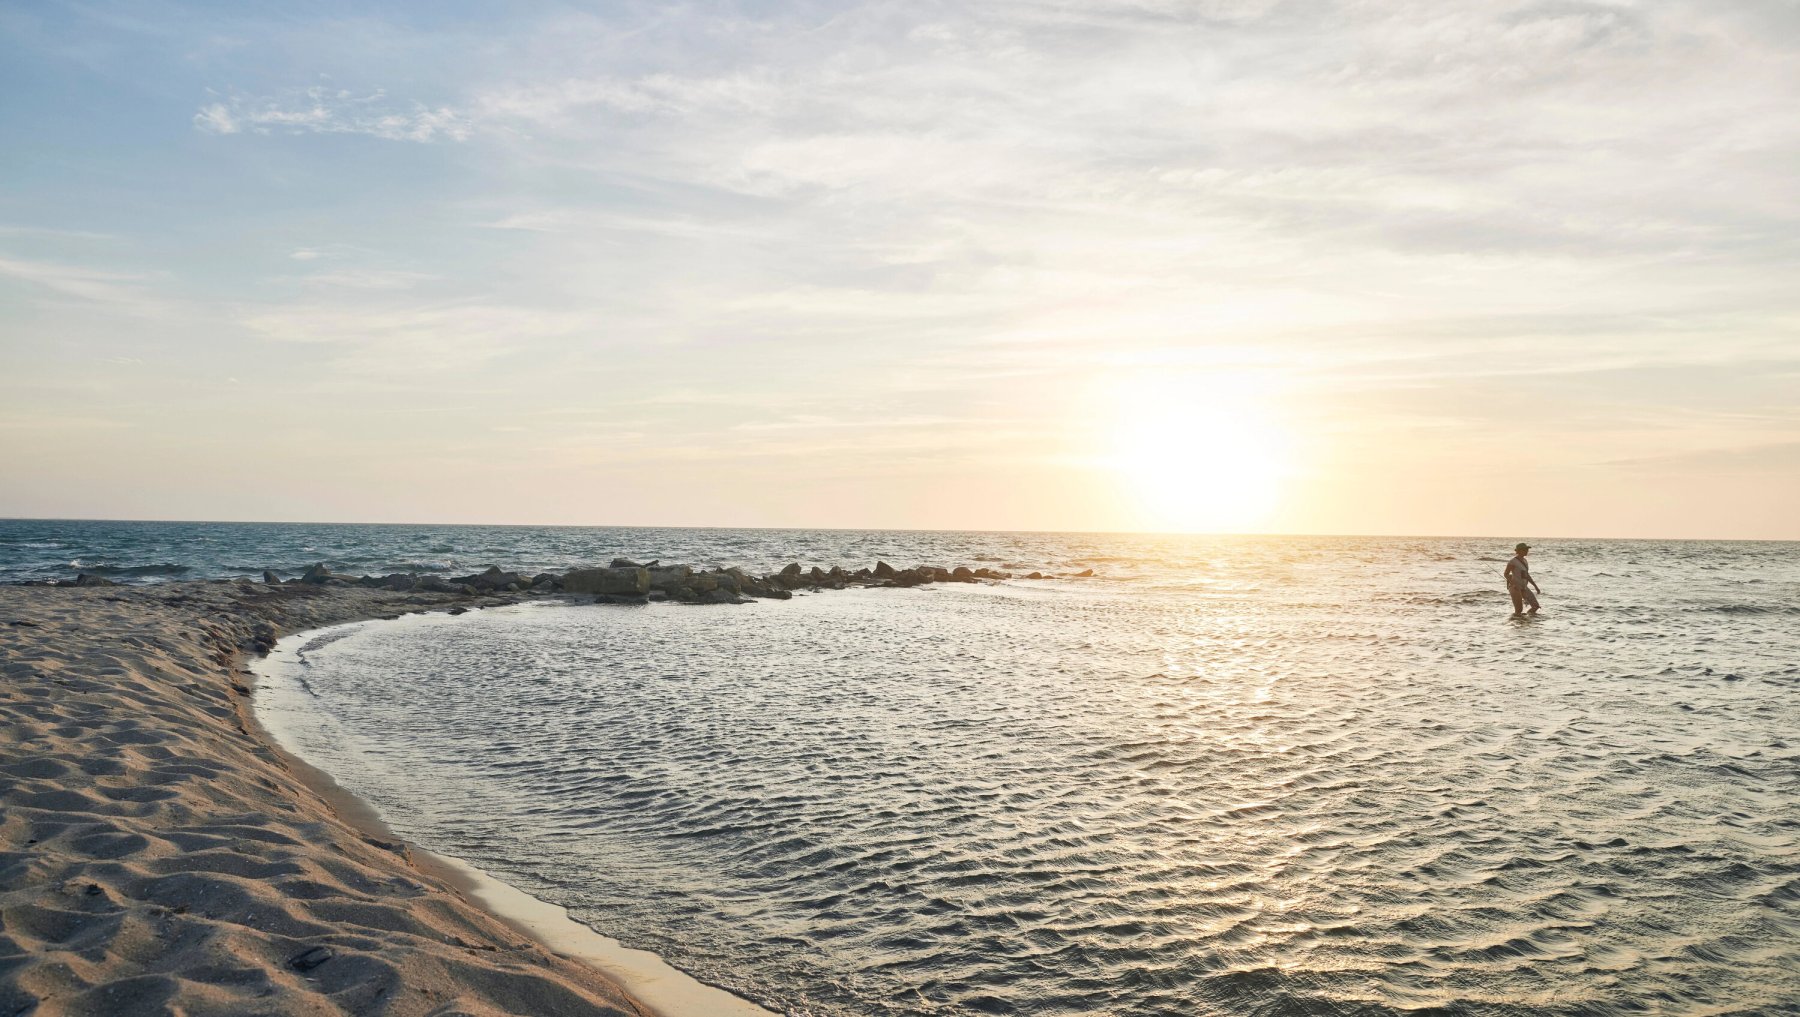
629	582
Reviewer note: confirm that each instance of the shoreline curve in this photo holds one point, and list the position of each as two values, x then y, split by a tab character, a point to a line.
662	988
159	856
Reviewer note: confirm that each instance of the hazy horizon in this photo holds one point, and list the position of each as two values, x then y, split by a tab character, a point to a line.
1542	540
1130	266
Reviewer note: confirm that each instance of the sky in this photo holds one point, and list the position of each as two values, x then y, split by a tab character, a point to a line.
1372	266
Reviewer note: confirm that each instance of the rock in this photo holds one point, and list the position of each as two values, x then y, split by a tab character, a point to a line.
1035	575
1085	574
633	581
433	584
721	596
791	570
884	571
459	610
271	578
620	598
544	580
310	958
86	580
937	575
315	574
492	579
627	563
670	577
962	574
911	577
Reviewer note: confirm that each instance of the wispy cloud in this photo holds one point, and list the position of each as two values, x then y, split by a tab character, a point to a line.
321	110
129	292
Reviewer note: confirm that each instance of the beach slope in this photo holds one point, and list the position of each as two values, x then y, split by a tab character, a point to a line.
158	856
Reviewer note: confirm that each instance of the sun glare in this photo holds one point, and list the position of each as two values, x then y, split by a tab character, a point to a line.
1200	456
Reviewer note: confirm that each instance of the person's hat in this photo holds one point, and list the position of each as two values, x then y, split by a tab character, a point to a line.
1521	547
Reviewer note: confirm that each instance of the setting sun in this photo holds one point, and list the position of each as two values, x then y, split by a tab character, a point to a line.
1200	455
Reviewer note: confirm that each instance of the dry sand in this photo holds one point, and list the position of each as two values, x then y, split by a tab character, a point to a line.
159	856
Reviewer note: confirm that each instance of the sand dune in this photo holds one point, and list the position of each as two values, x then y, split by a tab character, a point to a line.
157	856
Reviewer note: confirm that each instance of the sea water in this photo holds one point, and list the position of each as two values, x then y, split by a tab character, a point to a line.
1222	776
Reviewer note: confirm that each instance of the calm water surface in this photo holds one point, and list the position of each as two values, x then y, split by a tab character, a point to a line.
1226	776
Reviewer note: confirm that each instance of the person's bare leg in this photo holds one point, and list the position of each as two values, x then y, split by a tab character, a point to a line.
1518	603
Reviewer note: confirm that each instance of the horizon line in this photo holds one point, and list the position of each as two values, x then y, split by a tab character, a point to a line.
899	529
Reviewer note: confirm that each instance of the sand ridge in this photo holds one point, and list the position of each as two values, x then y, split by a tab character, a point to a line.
157	856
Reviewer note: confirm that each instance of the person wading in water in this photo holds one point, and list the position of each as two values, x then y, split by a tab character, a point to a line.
1520	584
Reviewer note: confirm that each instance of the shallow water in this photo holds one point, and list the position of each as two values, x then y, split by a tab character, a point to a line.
1228	776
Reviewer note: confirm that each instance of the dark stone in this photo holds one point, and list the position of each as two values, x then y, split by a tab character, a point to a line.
492	579
1085	574
791	570
316	574
433	584
401	582
546	580
310	958
271	578
883	570
459	610
86	580
1035	575
629	581
670	577
962	574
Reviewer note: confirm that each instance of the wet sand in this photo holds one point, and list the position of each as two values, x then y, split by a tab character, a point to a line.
158	854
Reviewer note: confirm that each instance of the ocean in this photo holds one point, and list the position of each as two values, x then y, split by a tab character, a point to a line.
1225	775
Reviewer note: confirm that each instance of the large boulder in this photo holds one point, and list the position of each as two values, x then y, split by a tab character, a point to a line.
791	570
962	574
620	581
884	571
317	574
271	578
627	563
669	577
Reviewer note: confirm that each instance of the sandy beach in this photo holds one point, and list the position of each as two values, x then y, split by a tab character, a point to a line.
159	855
